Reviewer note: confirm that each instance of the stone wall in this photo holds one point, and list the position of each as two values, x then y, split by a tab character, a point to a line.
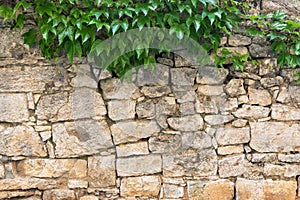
181	132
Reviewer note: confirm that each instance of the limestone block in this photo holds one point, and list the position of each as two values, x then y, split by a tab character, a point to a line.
196	140
21	194
28	183
172	191
166	106
21	141
145	109
121	109
142	165
183	76
187	108
258	51
239	123
229	136
81	138
259	97
59	194
75	184
239	40
89	197
210	90
137	148
274	136
2	171
285	113
155	91
206	105
235	87
144	186
211	190
131	131
165	142
227	150
232	166
263	157
101	171
211	75
218	119
265	189
290	158
186	123
160	76
252	112
13	107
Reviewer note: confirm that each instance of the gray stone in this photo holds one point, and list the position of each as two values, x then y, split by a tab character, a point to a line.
172	191
210	90
102	171
235	87
84	77
239	40
187	108
290	158
285	113
137	148
116	89
270	82
259	97
166	106
274	137
155	91
263	157
190	163
292	8
181	62
258	51
230	104
229	136
142	165
286	170
21	141
211	75
81	138
165	61
13	107
186	123
196	140
206	105
59	194
165	142
252	112
218	119
131	131
183	76
145	109
227	150
121	109
232	166
239	123
160	76
184	94
267	66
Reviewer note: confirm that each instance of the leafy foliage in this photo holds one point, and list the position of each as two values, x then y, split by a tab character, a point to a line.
77	27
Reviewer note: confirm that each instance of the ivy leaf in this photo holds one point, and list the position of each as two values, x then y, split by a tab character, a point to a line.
124	24
20	21
179	30
150	62
197	25
70	50
211	17
30	37
115	26
78	49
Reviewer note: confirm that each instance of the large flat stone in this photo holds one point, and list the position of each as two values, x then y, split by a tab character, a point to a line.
21	141
28	183
160	76
13	107
59	194
121	109
142	165
285	113
252	112
229	136
131	131
186	123
265	189
75	139
232	166
274	136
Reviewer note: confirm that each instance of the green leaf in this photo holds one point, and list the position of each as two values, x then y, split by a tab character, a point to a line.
124	24
211	17
70	50
115	26
78	49
20	21
30	37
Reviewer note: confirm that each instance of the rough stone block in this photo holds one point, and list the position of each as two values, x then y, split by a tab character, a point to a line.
155	91
172	191
235	87
239	40
186	123
229	136
285	113
227	150
183	76
252	112
232	166
211	75
59	194
137	148
196	140
145	109
210	90
121	110
160	76
218	119
259	97
18	183
165	142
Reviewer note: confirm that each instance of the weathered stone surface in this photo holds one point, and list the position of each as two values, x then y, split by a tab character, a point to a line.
53	168
227	150
239	40
187	108
186	123
81	138
287	170
232	166
211	75
252	112
230	104
291	8
32	79
145	109
234	50
274	136
142	165
101	171
155	91
235	87
285	113
13	107
183	76
172	191
21	141
2	171
265	189
160	76
289	158
28	183
259	97
166	106
137	148
210	90
211	190
190	163
77	183
229	136
218	119
121	110
239	123
165	142
131	131
196	140
89	197
21	194
206	105
258	51
269	157
144	186
270	82
59	194
184	94
116	89
84	77
181	61
165	61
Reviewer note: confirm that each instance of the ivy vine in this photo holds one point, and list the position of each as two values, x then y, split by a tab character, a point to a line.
76	27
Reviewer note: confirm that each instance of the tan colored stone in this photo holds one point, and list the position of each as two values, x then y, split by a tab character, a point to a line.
155	91
53	168
252	112
269	157
218	119
210	90
21	141
121	110
73	184
16	194
81	138
59	194
289	158
239	123
211	75
89	197
211	190
137	148
229	136
285	113
287	170
28	183
239	40
2	171
145	109
131	131
166	106
205	105
235	87
259	97
232	166
13	107
183	76
101	171
165	142
274	136
186	123
187	108
142	165
172	191
265	189
196	140
144	186
227	150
